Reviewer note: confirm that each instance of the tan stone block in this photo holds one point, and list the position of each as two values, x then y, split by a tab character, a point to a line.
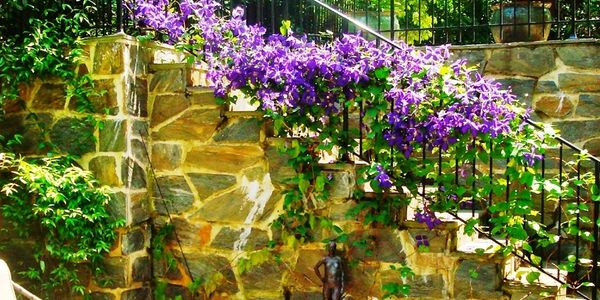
554	106
166	156
105	170
167	106
193	125
577	82
225	159
108	58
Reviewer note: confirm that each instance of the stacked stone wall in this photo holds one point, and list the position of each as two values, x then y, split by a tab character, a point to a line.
559	80
221	178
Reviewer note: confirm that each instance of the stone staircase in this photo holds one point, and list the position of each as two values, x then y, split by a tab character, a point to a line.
204	153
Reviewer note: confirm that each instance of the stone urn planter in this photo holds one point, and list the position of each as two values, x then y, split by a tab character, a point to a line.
520	20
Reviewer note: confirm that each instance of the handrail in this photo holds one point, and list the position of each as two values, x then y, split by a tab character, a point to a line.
25	293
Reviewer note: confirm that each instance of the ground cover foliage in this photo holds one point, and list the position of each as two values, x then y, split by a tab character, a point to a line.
50	200
412	101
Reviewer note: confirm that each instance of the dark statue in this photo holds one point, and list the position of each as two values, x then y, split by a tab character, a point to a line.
333	278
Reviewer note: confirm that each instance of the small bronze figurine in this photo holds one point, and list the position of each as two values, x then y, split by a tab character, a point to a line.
333	281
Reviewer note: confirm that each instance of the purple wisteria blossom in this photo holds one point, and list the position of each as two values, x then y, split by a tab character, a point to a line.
382	178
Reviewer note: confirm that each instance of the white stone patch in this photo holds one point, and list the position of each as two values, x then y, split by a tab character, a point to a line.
259	193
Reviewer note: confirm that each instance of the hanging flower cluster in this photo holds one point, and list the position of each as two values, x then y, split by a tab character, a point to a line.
427	98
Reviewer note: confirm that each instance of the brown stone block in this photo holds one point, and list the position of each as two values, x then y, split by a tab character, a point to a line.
593	146
421	286
167	81
194	124
108	58
112	136
303	276
232	239
206	265
234	207
578	131
136	100
192	234
50	96
74	136
166	156
554	106
266	276
577	82
244	130
105	170
105	100
226	159
167	106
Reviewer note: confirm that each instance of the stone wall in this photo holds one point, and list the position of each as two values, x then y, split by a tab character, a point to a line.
119	67
559	80
221	178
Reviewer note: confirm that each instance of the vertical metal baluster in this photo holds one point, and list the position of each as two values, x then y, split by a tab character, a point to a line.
459	22
560	181
392	146
473	22
273	28
589	19
473	185
393	19
542	195
419	29
507	182
596	251
424	166
360	128
578	201
446	29
558	20
529	7
346	154
573	25
405	20
491	173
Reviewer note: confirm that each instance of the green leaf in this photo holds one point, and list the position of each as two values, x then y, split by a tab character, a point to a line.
532	276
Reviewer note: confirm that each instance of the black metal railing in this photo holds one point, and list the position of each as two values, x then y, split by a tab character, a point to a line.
575	255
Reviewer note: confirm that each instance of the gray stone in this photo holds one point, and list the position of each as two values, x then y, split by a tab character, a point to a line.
133	241
137	97
209	184
194	124
245	130
115	273
139	151
279	169
585	57
360	281
50	96
577	82
532	62
224	159
167	81
113	135
227	239
192	234
142	269
105	170
166	156
522	88
108	58
132	174
140	208
593	146
203	98
137	294
104	102
376	245
205	265
167	106
102	296
73	136
589	105
116	206
342	184
262	277
578	131
474	58
488	279
233	207
163	270
547	86
177	195
553	106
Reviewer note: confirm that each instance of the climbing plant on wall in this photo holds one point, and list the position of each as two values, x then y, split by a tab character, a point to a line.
50	200
425	119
